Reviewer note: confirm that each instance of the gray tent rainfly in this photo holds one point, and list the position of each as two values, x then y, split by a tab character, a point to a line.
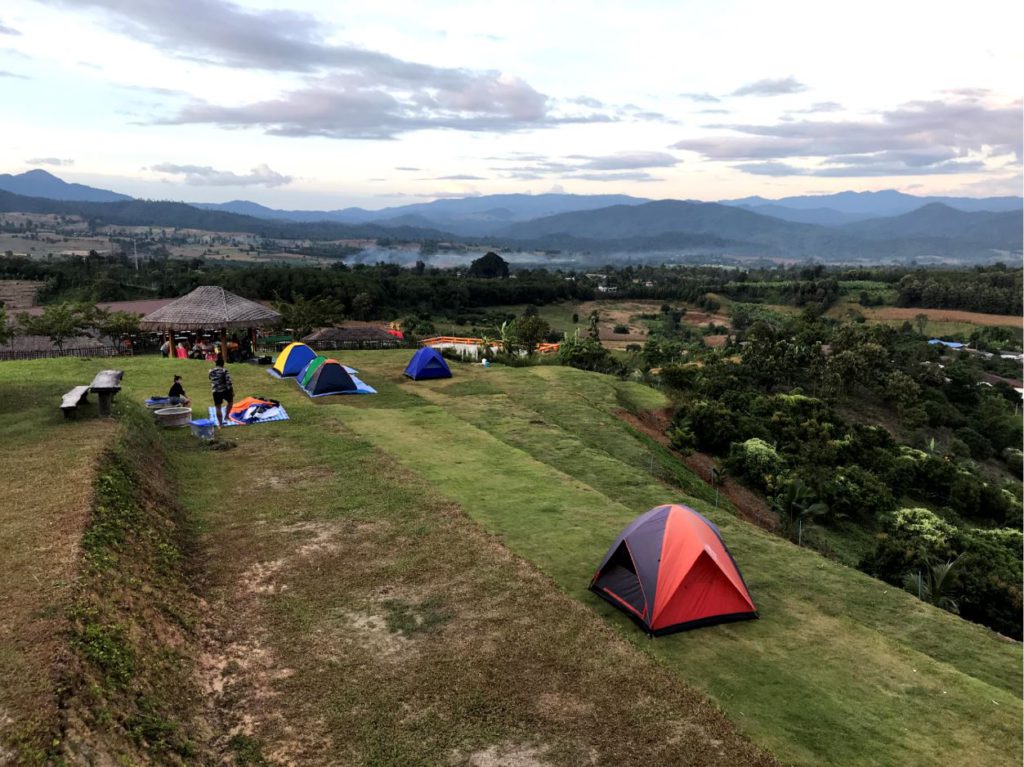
210	308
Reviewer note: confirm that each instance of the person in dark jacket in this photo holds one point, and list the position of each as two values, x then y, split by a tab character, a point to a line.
177	394
223	390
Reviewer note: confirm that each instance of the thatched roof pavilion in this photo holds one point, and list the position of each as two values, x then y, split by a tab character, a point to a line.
353	335
210	308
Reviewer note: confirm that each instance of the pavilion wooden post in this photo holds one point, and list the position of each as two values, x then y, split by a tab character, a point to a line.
224	344
252	341
172	352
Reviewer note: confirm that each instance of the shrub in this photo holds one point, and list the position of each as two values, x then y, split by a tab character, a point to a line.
755	461
909	540
1014	460
680	377
852	491
621	329
713	426
588	354
979	446
990	579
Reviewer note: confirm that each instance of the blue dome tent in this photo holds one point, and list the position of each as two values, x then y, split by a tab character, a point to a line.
427	363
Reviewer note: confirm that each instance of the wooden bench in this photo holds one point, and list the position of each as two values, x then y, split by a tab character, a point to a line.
106	384
73	399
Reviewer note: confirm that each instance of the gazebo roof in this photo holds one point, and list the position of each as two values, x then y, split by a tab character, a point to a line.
209	308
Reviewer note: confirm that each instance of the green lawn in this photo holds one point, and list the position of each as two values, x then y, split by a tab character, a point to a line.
355	615
305	520
841	669
47	467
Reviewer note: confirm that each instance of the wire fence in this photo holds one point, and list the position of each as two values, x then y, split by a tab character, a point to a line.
36	354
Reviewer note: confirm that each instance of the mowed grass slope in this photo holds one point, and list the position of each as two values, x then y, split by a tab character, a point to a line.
841	669
360	618
47	469
357	616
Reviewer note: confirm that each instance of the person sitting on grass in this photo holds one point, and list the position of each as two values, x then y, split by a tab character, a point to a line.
177	394
223	390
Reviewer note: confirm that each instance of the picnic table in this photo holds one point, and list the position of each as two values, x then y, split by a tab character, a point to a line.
105	384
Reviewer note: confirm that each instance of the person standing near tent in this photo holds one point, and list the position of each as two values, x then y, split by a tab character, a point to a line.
223	390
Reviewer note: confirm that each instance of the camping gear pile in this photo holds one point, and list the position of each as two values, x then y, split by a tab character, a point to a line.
253	410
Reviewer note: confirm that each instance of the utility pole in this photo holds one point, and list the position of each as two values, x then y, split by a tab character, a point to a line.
136	251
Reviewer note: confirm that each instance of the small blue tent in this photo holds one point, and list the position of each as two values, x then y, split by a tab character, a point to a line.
427	363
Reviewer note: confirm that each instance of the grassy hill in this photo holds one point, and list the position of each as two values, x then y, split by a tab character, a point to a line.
401	579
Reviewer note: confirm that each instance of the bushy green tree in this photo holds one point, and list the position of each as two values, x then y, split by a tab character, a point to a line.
587	354
797	509
5	329
302	315
58	322
362	306
854	492
909	539
118	326
755	461
489	266
527	333
989	578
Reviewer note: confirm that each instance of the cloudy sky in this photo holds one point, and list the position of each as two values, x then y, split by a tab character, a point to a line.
329	104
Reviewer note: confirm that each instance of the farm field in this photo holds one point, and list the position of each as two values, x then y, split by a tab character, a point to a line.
900	314
612	312
401	579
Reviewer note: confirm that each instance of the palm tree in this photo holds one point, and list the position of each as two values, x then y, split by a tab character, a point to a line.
486	342
932	582
507	336
797	509
717	476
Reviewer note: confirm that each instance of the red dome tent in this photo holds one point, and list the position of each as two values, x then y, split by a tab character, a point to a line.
670	571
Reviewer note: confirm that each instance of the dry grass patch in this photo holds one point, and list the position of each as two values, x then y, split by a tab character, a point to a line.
897	313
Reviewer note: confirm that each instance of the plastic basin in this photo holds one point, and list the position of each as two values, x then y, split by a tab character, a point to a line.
170	417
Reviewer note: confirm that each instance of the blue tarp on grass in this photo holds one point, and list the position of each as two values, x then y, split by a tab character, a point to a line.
278	414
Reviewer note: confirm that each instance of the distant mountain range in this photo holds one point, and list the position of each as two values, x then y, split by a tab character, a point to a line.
848	225
39	183
467	217
935	229
848	207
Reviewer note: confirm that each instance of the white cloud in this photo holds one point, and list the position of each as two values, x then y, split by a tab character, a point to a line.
771	87
916	138
204	175
55	161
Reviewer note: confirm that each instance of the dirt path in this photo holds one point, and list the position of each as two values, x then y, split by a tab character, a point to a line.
749	504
